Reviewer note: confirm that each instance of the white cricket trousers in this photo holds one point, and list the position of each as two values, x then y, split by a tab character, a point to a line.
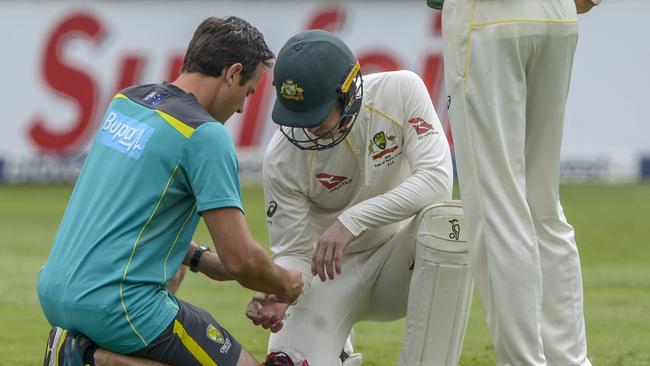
373	285
507	69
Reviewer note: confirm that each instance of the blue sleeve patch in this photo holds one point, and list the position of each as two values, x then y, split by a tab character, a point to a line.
124	134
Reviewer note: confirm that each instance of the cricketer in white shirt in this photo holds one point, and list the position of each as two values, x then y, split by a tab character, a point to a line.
388	161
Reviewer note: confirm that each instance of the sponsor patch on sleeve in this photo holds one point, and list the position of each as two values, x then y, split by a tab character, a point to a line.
124	134
422	127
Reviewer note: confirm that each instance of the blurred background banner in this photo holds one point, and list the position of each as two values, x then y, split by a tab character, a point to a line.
62	61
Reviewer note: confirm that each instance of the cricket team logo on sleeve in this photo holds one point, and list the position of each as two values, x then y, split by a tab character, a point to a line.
422	127
124	134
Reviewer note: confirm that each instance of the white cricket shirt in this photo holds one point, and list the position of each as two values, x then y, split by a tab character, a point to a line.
394	162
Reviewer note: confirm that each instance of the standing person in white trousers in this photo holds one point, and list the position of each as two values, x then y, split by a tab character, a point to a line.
507	69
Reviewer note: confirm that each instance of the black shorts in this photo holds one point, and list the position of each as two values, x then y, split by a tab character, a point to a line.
193	338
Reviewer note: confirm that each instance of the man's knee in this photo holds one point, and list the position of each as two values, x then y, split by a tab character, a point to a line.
441	288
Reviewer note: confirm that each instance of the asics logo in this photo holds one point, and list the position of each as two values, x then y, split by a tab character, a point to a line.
271	210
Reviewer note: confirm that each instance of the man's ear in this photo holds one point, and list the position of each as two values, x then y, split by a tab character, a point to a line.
233	73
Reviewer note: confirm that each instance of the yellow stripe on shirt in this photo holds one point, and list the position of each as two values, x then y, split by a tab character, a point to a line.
175	241
376	110
181	127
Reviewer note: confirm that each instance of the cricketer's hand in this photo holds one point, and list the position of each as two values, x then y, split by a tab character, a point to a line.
293	289
265	311
329	251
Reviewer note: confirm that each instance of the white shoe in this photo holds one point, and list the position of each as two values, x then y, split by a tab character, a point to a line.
355	359
348	357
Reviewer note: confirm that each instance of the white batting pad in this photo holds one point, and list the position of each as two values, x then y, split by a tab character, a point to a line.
440	293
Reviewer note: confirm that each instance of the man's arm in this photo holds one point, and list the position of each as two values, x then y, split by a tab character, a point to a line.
290	231
210	165
427	152
210	264
244	259
290	234
431	180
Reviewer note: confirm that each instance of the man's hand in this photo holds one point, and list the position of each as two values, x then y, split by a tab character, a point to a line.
293	288
329	251
264	311
583	6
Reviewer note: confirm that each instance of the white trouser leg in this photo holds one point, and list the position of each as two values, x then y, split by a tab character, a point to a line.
485	73
440	294
563	326
373	285
317	327
489	156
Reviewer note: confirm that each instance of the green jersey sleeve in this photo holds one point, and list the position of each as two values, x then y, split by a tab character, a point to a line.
212	168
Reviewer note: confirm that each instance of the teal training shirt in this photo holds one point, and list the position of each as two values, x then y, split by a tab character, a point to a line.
157	161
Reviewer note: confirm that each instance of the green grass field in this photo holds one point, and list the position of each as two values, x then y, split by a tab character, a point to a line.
613	230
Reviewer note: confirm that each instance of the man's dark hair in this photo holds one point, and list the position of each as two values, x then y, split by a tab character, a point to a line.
219	43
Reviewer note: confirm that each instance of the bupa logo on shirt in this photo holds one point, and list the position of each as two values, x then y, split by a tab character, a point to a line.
124	134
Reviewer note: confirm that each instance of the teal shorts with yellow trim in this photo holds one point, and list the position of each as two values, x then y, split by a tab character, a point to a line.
194	338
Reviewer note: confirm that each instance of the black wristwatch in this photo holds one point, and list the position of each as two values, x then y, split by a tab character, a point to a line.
196	257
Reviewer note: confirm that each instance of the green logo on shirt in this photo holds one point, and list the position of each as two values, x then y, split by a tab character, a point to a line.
213	333
381	141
